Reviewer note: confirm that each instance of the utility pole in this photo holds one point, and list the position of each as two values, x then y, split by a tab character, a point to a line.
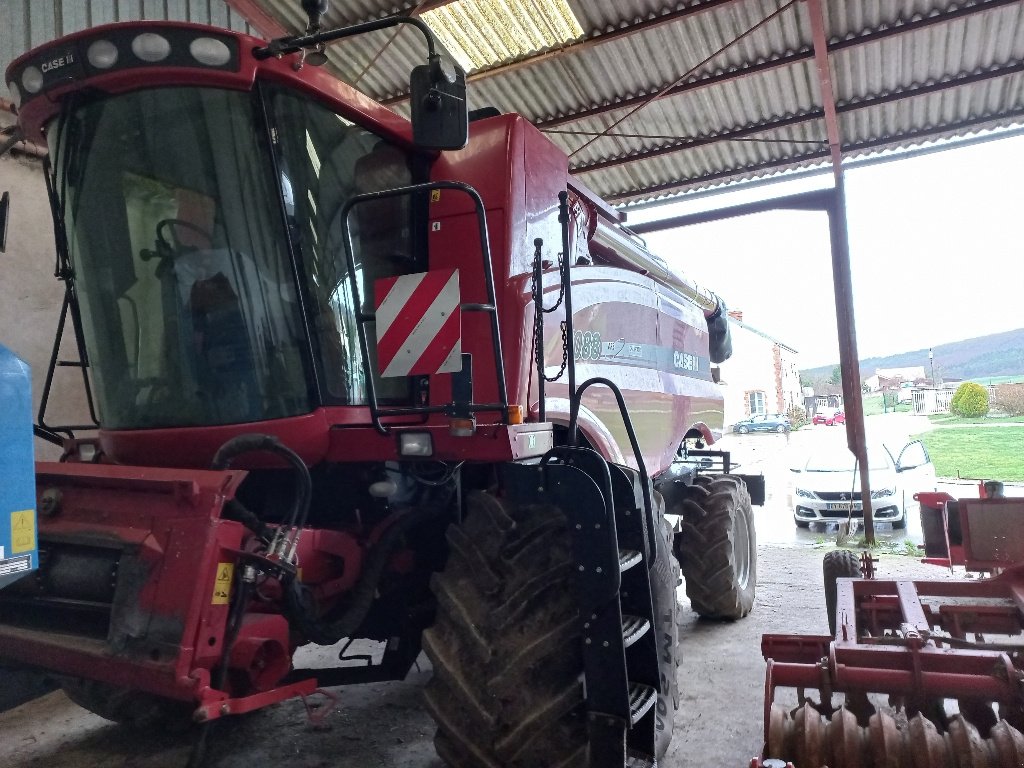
931	364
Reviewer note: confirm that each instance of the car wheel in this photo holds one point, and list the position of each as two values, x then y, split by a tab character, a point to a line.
781	428
742	430
801	523
899	525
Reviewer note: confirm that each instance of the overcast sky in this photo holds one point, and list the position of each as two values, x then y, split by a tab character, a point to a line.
937	252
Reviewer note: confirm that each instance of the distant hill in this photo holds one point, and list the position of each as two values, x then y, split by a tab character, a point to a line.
1000	354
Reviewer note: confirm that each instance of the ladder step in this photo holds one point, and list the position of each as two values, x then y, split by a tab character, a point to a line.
633	628
628	558
641	699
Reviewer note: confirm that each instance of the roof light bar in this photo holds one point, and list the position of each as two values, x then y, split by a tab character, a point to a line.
151	47
102	54
112	49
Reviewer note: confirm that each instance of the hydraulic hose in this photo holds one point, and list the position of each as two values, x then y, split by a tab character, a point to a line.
255	442
327	631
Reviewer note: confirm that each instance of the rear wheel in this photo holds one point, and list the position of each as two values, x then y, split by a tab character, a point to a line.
838	564
780	428
717	547
135	709
507	690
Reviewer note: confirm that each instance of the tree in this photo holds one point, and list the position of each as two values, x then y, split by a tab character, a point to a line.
837	376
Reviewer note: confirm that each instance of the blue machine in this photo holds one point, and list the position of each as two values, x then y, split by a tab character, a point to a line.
18	545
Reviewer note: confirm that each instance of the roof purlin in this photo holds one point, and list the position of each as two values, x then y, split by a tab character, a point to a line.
867	102
595	38
784	60
811	158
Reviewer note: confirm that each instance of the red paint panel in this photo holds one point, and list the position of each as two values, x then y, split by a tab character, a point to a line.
442	345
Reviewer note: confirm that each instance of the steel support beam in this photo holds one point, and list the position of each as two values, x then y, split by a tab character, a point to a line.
849	360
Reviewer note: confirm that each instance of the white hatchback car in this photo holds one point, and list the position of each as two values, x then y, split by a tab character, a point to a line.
827	487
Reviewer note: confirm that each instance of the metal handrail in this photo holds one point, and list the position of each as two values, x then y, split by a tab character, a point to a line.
491	308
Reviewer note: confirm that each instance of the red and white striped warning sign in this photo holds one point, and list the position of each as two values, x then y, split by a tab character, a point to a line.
419	323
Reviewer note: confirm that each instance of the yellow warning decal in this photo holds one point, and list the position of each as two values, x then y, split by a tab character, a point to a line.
435	195
222	586
23	531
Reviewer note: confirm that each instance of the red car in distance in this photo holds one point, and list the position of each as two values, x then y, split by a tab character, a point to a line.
829	418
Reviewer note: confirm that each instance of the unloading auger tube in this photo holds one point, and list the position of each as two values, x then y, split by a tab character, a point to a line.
607	237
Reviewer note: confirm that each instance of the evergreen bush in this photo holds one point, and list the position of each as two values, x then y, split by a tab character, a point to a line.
969	401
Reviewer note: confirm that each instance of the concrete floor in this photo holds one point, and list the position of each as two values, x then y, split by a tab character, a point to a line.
721	677
719	725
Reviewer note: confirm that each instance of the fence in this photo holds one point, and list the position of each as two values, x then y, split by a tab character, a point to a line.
938	400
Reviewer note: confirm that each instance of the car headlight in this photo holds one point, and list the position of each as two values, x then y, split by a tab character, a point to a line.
805	494
883	492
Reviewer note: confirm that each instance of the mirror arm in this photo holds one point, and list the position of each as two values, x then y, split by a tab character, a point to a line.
285	45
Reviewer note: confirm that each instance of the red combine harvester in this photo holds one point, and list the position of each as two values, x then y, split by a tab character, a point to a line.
947	654
332	360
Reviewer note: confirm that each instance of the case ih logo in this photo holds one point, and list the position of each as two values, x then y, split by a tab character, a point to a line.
419	323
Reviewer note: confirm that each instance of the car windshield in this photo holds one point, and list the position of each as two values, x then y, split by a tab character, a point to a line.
843	461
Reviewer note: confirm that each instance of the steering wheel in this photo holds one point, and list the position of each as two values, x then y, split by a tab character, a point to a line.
167	247
175	245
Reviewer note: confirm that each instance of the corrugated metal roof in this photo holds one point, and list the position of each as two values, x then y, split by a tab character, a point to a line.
904	72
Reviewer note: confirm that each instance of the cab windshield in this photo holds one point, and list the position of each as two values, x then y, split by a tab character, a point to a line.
181	229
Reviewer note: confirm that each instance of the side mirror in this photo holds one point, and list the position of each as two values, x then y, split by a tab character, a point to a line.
5	207
440	113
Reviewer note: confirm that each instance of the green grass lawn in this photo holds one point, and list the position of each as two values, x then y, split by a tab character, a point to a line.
982	453
873	406
948	419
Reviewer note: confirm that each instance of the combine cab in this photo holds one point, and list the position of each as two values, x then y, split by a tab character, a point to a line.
333	359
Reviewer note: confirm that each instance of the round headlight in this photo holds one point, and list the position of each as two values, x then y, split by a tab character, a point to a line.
151	47
32	79
15	93
209	51
102	54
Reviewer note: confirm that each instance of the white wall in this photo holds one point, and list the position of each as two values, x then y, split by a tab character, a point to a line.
30	296
758	364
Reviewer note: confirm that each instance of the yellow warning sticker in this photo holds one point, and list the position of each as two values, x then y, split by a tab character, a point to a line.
222	586
23	531
435	195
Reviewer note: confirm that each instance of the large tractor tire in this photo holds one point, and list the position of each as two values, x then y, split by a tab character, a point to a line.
838	564
134	709
664	580
717	547
507	690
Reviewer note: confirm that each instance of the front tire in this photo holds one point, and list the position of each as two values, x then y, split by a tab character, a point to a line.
742	430
717	547
506	647
838	564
